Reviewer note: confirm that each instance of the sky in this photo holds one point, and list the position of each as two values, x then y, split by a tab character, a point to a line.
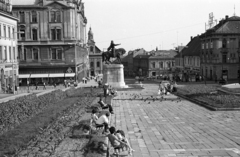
151	24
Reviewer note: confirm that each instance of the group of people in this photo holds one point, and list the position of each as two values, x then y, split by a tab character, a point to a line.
108	90
116	137
165	88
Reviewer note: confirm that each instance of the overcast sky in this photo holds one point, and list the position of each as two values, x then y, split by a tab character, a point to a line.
152	23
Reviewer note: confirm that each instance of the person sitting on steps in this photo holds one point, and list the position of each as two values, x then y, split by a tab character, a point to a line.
105	106
121	136
103	121
116	142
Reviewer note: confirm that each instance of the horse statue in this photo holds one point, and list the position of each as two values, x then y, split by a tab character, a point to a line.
118	53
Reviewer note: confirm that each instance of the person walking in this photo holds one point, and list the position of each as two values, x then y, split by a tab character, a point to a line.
44	86
36	86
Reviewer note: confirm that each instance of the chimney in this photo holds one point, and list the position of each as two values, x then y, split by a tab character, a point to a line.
191	37
226	17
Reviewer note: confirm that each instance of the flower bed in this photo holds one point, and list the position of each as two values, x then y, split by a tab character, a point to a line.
208	94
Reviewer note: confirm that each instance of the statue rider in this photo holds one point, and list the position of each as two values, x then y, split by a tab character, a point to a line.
112	48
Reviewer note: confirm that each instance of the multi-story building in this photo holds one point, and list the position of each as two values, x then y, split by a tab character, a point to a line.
95	56
162	62
191	58
141	65
52	40
8	47
127	61
220	50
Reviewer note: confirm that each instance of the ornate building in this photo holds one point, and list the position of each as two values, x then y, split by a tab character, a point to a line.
52	40
8	47
220	50
95	56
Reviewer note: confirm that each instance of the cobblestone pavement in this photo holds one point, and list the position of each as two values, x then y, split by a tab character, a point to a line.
175	127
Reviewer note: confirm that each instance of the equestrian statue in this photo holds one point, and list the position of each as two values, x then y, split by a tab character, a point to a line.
113	53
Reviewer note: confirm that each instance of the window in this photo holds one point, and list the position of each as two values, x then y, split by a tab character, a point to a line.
56	34
22	17
91	49
10	53
202	45
153	64
173	63
211	44
55	16
4	31
1	53
224	58
206	45
224	43
56	54
9	32
13	33
5	52
34	16
35	54
98	64
34	34
160	64
22	34
92	64
0	31
14	55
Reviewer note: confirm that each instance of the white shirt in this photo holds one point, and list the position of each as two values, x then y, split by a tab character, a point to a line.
102	119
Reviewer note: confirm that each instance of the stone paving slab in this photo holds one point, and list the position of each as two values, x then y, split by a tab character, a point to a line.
173	126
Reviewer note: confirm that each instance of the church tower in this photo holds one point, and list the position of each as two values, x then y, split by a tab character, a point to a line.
91	42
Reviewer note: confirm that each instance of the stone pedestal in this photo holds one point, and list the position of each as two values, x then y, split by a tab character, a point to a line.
114	76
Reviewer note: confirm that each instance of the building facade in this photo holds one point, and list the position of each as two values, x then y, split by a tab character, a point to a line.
8	47
162	63
220	50
191	58
127	61
52	40
95	56
141	65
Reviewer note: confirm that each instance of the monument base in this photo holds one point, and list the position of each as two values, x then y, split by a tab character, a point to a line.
114	76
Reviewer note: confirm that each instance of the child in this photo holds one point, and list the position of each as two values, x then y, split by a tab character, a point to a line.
121	136
115	142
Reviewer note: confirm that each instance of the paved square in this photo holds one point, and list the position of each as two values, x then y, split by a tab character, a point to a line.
174	127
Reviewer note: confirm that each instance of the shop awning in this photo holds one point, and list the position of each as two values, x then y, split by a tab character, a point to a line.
57	75
69	74
39	76
23	75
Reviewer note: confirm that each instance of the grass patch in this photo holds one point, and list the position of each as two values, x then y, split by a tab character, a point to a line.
233	90
22	134
208	94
